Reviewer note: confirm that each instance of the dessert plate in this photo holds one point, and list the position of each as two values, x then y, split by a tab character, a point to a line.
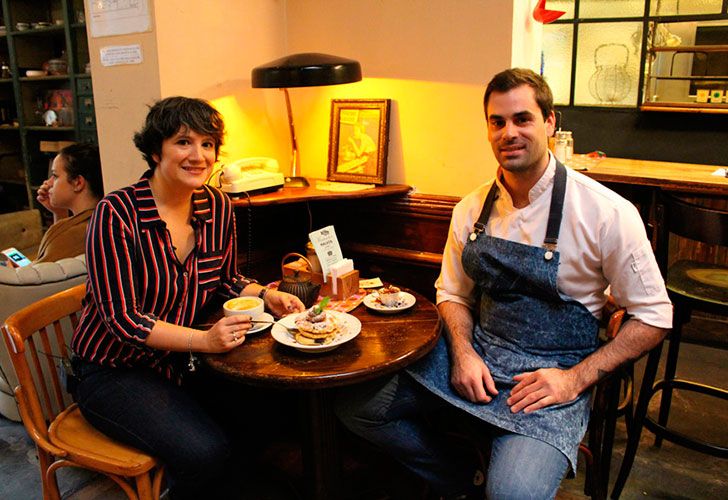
259	327
406	300
349	327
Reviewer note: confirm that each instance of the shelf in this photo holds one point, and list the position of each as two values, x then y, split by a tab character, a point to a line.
690	48
286	195
696	78
685	107
51	30
49	129
43	78
9	127
6	80
13	182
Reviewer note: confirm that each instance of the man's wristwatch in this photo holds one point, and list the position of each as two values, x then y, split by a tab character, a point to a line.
262	292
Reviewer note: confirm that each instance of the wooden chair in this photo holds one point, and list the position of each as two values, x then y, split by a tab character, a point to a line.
692	286
612	398
35	339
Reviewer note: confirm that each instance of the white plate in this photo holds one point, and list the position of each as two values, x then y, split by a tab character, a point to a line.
259	327
406	300
349	327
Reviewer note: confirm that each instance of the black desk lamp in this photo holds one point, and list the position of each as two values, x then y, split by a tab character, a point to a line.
303	70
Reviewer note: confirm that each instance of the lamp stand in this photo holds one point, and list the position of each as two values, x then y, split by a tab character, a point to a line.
293	180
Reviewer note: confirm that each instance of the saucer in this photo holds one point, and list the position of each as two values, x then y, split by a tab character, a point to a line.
259	327
406	300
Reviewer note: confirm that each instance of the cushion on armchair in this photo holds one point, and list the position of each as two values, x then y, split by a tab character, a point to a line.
22	230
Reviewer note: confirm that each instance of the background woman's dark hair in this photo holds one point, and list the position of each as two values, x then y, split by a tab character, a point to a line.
515	77
166	117
83	159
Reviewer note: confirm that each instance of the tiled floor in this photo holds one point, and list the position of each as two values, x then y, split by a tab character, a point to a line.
668	472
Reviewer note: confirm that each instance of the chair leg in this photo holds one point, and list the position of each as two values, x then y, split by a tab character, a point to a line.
610	424
633	439
48	476
670	370
144	486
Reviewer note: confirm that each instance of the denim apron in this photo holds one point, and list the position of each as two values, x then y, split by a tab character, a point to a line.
525	324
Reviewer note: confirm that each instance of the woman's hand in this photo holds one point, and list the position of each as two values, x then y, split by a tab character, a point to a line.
282	303
43	197
227	333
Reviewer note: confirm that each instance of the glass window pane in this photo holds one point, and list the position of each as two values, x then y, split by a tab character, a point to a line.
611	8
566	6
556	59
684	7
607	64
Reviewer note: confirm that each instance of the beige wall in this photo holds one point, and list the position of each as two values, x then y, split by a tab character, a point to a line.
431	57
199	49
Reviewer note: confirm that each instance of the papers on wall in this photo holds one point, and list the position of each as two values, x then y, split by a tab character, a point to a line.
115	55
118	17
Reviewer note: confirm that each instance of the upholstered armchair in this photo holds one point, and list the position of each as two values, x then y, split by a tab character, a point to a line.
20	287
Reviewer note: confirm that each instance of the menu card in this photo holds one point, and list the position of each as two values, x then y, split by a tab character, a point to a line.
327	248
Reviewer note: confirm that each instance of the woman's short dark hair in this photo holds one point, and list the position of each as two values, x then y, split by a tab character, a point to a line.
83	159
167	116
515	77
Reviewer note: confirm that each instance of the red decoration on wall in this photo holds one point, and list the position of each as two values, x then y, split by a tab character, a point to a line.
544	16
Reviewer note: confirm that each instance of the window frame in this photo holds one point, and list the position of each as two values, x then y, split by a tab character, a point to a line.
645	20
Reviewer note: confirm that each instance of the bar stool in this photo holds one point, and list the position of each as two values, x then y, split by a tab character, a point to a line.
692	286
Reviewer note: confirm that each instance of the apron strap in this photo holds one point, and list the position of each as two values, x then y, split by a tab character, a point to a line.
557	208
555	211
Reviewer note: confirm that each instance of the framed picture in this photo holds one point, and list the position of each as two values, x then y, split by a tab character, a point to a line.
358	140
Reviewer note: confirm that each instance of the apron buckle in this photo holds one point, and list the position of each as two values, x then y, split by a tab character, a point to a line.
550	249
478	228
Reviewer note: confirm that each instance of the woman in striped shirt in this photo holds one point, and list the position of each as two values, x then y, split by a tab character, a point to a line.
157	252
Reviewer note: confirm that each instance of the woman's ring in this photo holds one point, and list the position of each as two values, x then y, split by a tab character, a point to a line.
235	336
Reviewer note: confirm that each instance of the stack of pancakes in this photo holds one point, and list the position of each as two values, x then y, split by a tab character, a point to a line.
315	328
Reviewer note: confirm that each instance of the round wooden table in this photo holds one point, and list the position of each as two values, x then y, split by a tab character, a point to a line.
387	343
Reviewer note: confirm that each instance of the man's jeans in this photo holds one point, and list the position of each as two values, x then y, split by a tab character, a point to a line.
389	413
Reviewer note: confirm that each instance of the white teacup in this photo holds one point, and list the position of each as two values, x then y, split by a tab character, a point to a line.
250	306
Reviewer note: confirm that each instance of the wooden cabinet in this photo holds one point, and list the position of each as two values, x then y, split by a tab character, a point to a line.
46	97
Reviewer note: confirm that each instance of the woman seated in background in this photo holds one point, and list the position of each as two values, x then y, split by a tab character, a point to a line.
158	251
74	186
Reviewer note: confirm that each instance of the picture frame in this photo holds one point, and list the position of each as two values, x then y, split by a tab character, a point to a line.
359	140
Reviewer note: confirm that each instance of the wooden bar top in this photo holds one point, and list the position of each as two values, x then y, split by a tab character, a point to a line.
286	195
688	177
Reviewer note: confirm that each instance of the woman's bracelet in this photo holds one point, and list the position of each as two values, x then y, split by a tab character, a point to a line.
262	292
191	363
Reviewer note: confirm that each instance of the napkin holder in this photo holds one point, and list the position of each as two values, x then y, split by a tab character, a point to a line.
346	284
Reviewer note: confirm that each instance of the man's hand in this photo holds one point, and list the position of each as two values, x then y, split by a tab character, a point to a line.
471	377
542	388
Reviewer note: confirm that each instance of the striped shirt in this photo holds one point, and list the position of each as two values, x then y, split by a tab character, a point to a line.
135	277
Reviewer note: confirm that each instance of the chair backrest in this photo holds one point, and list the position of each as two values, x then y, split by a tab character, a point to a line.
35	338
699	223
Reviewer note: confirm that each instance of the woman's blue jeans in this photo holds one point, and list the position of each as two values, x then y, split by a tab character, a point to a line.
141	408
390	413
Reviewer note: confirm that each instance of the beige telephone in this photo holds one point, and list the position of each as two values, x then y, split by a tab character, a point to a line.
249	175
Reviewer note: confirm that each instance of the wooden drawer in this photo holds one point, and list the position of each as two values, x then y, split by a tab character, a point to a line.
87	120
84	86
85	104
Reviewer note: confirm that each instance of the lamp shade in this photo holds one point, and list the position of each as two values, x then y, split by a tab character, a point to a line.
306	70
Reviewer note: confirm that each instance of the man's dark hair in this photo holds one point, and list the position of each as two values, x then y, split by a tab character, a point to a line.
515	77
167	116
83	159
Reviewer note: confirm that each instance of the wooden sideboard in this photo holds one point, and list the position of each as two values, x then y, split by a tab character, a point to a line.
399	235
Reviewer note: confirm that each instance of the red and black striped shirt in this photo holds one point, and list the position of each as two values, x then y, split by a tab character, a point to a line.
135	277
